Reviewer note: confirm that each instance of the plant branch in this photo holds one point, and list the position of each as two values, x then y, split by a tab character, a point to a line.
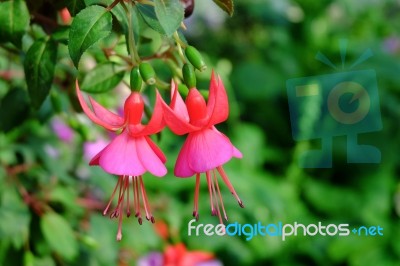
113	4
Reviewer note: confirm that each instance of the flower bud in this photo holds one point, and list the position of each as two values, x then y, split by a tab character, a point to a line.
183	90
195	58
29	258
89	241
204	93
136	80
188	5
147	73
188	76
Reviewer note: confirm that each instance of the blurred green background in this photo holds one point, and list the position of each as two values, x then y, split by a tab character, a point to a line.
51	201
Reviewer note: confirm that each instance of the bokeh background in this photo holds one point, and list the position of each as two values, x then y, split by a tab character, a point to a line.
51	201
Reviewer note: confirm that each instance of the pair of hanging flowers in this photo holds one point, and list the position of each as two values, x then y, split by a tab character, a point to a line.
132	153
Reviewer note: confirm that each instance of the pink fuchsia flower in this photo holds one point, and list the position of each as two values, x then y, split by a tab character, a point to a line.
130	154
206	149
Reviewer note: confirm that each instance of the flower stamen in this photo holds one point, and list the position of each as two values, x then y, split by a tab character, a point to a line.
119	232
123	187
136	201
213	181
128	211
229	185
210	192
219	194
146	204
196	198
112	196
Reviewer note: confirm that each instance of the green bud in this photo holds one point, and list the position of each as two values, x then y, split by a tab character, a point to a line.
195	58
136	80
204	93
183	90
89	241
188	76
147	73
29	258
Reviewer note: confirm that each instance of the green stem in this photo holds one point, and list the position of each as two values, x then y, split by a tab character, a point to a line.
135	58
178	40
162	84
180	44
113	4
146	2
177	71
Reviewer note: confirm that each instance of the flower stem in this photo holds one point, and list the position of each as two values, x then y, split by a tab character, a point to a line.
178	40
113	4
146	2
135	58
180	44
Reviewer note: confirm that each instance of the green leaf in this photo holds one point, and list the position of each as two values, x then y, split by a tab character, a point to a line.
88	27
150	18
59	235
15	218
13	114
14	21
102	78
39	69
75	6
226	5
103	234
61	34
170	14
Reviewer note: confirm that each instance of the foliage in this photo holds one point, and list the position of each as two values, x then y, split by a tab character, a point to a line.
51	200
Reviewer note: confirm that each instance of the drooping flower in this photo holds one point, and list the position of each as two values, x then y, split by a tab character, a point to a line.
205	149
130	154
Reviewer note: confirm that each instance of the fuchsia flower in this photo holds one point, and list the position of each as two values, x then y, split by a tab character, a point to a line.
205	149
131	153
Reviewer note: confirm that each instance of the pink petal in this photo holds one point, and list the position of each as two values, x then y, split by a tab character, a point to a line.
149	159
96	158
120	157
91	149
208	150
182	168
217	106
175	123
236	152
89	112
156	123
177	103
106	115
156	149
